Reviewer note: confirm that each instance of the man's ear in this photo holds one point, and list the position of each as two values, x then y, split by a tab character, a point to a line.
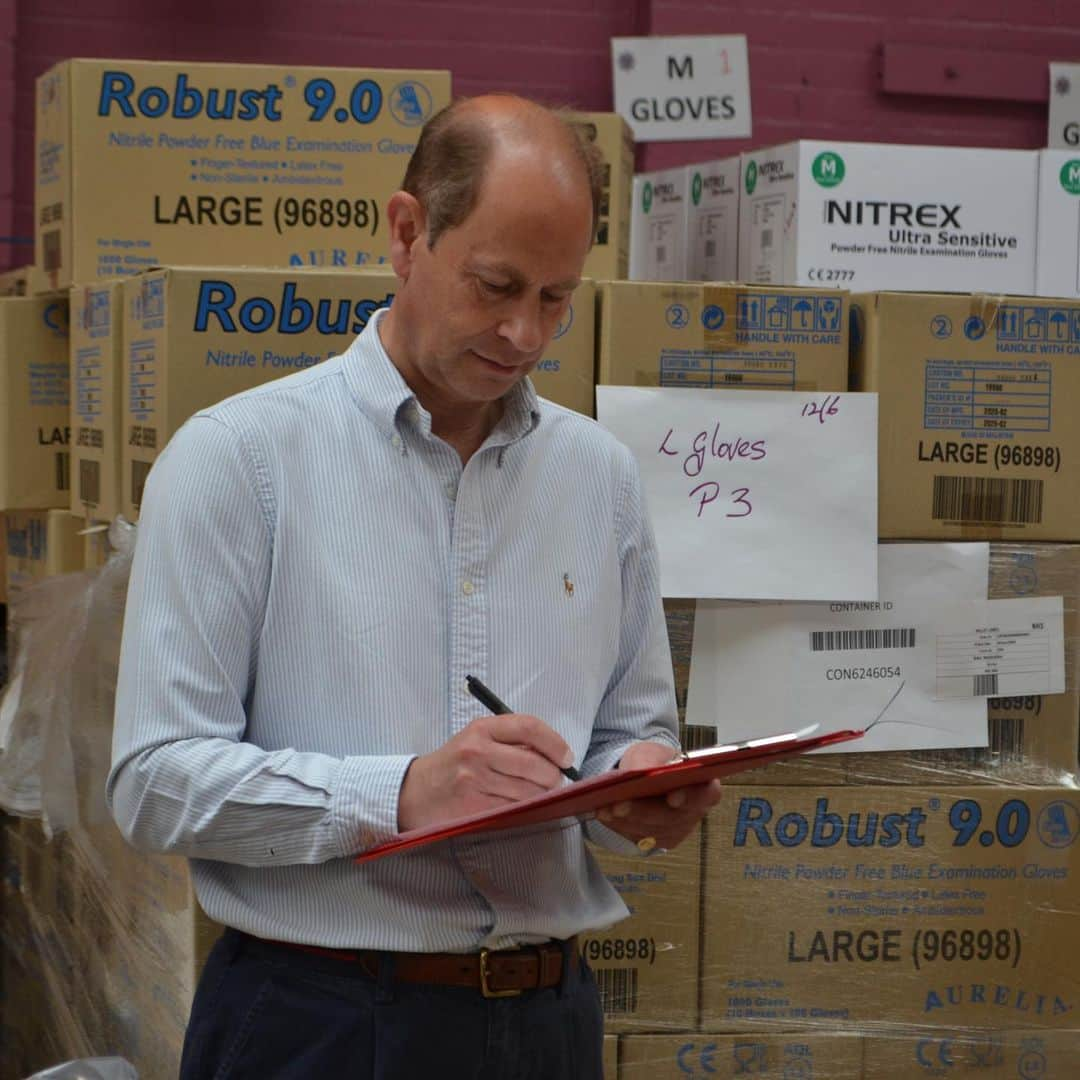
408	226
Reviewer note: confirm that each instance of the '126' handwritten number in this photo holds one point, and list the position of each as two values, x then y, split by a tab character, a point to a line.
710	492
821	409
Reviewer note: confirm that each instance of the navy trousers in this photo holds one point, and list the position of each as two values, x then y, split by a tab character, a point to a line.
266	1012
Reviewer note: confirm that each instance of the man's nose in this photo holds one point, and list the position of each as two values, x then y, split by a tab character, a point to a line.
523	327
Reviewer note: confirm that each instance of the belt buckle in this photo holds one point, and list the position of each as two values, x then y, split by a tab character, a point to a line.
485	974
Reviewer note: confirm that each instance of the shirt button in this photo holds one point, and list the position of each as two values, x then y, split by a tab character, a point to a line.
451	489
395	441
467	588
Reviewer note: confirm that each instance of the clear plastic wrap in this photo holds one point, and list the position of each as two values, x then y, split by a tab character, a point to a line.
56	712
111	1068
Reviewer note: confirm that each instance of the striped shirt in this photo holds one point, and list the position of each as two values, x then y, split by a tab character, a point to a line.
315	575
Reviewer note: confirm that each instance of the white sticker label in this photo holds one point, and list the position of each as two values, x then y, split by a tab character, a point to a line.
1003	648
839	664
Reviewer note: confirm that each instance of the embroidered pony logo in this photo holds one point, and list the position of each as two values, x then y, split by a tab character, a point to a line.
568	585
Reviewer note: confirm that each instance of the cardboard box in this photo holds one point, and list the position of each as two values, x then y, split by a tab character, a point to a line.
720	1057
96	399
611	1057
730	336
712	220
977	437
195	336
1033	739
144	164
35	469
995	1055
96	550
869	216
16	282
885	908
647	966
658	226
1057	270
567	372
610	254
40	544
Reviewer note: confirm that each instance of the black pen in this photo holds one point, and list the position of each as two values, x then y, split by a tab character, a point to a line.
500	708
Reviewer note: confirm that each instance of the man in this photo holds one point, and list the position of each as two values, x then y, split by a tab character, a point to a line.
321	562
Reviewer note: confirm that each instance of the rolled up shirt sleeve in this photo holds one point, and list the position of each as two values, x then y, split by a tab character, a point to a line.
183	778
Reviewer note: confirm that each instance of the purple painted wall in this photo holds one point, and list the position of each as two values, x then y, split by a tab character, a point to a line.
814	66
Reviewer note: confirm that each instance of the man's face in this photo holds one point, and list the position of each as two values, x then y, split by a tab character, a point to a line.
490	294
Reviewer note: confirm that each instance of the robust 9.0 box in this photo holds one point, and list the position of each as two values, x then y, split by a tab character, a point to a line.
144	164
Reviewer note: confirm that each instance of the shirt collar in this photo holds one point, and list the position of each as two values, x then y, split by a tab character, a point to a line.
380	391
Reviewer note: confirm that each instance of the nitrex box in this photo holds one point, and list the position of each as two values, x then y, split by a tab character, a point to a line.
96	418
730	336
868	216
977	435
658	226
1057	271
34	386
143	164
712	220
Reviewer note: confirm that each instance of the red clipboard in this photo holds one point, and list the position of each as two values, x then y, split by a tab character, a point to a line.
583	798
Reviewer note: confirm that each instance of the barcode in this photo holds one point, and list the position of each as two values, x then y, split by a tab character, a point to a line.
710	249
90	482
1007	736
981	498
661	254
63	471
837	640
618	990
766	238
139	472
50	250
697	736
983	685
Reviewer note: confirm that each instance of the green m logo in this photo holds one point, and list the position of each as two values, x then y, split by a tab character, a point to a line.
1070	177
828	169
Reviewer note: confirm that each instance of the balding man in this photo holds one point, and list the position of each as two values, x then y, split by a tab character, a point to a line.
321	562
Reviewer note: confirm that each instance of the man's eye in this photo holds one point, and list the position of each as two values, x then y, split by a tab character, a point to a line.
552	298
496	287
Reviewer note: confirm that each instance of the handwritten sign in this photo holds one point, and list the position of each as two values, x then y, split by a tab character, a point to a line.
760	495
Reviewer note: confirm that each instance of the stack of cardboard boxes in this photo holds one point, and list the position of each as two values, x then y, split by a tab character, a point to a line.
757	947
209	228
904	913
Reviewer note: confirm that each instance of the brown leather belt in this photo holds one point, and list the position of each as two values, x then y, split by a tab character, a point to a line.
496	973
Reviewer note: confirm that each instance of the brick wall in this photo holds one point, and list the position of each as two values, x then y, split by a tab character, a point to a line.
7	127
814	66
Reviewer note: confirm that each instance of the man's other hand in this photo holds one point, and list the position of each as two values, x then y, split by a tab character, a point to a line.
495	761
664	821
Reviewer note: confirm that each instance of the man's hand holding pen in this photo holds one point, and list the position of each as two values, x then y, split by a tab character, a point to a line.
494	761
662	822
